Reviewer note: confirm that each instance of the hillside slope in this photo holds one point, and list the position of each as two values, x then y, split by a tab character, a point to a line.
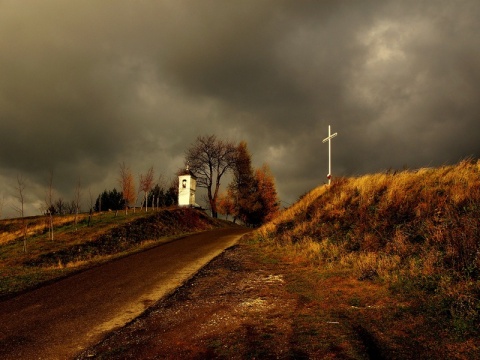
78	247
417	230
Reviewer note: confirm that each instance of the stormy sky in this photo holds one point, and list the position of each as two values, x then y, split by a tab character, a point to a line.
85	85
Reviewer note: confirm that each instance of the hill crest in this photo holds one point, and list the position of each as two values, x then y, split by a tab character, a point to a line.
415	228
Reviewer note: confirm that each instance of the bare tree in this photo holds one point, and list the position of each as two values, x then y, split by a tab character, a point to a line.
127	185
20	209
76	202
70	207
209	159
49	204
135	202
146	184
60	206
90	210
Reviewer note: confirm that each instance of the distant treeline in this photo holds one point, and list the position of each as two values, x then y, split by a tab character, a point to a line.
158	197
114	200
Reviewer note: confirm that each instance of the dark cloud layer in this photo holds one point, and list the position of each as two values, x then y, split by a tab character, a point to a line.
85	85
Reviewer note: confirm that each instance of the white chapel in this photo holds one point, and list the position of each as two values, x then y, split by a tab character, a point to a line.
187	183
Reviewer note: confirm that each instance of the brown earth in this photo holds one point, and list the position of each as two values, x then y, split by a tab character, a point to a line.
247	304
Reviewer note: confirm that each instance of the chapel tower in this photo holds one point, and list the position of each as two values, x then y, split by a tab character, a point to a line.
187	183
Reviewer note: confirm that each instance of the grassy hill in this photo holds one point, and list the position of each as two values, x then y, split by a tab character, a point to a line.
88	243
416	231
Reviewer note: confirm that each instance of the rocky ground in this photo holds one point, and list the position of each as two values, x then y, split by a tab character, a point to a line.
249	305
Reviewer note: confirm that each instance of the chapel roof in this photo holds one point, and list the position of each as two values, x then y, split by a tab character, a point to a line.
187	171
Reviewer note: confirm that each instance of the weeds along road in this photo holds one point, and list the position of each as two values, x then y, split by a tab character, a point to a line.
57	321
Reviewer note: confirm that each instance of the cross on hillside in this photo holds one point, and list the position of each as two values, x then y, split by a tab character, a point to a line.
329	138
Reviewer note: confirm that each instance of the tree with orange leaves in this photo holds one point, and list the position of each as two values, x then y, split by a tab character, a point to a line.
252	192
242	187
267	194
225	204
127	184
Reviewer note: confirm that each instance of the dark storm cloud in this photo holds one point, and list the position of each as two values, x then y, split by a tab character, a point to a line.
85	85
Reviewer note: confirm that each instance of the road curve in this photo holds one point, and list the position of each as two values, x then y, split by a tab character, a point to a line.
59	320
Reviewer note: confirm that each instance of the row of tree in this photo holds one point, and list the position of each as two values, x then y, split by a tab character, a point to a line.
62	207
158	197
154	195
251	196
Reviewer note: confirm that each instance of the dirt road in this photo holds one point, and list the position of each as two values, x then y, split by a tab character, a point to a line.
257	301
59	320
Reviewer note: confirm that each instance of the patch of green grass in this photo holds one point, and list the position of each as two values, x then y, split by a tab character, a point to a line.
20	279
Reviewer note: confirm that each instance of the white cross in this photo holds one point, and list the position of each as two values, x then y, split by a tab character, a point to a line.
329	138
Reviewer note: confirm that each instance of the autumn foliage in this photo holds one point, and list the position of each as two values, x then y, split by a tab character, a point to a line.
226	205
127	185
267	194
252	194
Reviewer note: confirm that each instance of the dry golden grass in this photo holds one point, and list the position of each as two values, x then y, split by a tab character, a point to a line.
12	229
417	228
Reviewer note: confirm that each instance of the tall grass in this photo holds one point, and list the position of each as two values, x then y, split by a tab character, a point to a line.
12	229
417	229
